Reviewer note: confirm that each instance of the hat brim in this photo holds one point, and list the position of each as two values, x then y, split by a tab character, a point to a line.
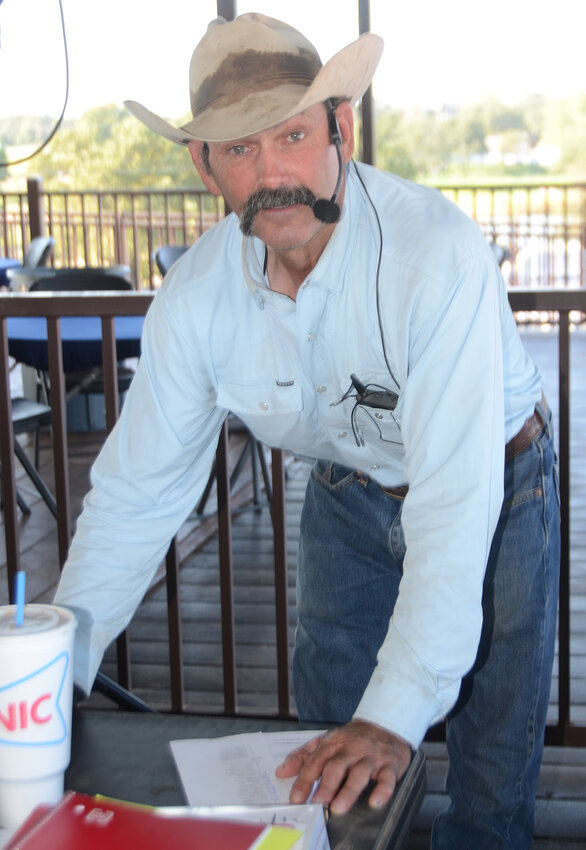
347	74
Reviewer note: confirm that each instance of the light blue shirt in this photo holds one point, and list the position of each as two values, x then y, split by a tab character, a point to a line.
217	339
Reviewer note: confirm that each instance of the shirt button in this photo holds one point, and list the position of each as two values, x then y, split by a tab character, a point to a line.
264	405
374	466
321	389
310	337
342	434
379	415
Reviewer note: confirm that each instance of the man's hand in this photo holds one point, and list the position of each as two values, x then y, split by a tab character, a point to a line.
347	759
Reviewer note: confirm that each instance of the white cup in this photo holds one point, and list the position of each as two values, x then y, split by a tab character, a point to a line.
36	694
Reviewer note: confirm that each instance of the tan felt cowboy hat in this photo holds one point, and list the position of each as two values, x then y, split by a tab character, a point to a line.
251	73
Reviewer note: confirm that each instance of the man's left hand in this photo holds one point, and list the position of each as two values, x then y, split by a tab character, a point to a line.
347	759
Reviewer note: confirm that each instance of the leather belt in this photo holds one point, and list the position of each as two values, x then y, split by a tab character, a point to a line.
532	428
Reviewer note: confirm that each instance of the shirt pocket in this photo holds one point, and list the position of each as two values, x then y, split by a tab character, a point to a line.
271	411
376	424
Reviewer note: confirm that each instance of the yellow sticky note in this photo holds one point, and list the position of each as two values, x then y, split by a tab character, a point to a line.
278	838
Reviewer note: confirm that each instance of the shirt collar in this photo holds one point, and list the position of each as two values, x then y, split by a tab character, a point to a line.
328	272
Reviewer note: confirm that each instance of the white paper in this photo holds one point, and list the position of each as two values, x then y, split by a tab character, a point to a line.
308	818
235	777
237	769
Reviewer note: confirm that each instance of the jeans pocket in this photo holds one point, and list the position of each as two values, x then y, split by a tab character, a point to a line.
527	475
333	475
397	539
556	479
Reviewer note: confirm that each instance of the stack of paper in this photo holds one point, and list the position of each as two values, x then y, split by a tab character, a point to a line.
235	777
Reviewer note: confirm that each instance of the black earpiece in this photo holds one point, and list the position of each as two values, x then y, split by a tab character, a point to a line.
335	134
326	210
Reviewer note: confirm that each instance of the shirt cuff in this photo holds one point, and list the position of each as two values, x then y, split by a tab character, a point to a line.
399	706
405	695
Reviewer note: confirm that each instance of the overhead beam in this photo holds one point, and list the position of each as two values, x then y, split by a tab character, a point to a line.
368	139
226	9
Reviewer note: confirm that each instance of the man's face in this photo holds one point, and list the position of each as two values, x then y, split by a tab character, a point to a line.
271	178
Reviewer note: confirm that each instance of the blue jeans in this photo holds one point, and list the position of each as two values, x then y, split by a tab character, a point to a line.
349	568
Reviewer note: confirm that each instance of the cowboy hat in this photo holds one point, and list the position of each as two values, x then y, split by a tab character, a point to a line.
251	73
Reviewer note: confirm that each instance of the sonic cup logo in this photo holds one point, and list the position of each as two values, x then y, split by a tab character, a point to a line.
30	710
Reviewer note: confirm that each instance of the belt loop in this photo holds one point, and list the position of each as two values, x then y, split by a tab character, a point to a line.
543	411
530	431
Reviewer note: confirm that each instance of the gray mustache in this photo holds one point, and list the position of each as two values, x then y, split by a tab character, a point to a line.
266	199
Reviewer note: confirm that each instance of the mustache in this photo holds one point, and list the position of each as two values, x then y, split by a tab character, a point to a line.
266	199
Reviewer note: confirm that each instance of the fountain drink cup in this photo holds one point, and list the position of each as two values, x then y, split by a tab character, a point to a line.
36	693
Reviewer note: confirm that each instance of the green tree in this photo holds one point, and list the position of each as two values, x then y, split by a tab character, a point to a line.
392	153
565	126
3	158
108	148
26	129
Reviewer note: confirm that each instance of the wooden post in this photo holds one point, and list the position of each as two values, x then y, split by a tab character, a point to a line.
34	187
8	484
281	606
226	572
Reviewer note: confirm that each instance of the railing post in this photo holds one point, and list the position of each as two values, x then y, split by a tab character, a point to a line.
226	571
174	627
564	672
8	483
59	428
280	559
34	187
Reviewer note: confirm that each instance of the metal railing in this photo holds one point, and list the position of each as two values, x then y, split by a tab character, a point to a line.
106	228
542	227
563	303
107	306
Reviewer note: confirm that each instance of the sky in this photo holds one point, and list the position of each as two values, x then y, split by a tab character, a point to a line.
436	51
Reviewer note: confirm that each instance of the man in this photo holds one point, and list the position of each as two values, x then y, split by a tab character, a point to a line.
360	319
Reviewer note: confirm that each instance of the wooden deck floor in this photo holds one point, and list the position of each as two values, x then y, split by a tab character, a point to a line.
561	819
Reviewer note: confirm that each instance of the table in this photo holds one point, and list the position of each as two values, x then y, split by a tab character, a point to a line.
81	340
5	264
126	755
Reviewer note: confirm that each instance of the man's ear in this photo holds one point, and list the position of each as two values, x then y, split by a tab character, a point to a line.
345	117
195	149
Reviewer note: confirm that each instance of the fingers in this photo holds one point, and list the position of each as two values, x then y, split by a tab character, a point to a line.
386	782
338	763
342	783
311	761
297	758
343	794
346	760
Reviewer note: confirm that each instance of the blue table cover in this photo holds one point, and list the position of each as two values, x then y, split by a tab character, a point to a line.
81	340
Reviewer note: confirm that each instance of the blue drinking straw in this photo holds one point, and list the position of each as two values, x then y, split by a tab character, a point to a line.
20	588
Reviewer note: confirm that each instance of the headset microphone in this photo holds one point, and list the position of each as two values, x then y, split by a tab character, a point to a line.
324	210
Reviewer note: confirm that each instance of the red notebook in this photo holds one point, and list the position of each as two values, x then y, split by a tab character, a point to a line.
80	822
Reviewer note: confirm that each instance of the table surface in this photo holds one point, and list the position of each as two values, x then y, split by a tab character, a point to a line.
126	755
81	338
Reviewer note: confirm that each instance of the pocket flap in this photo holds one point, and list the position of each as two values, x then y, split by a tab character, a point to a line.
261	399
